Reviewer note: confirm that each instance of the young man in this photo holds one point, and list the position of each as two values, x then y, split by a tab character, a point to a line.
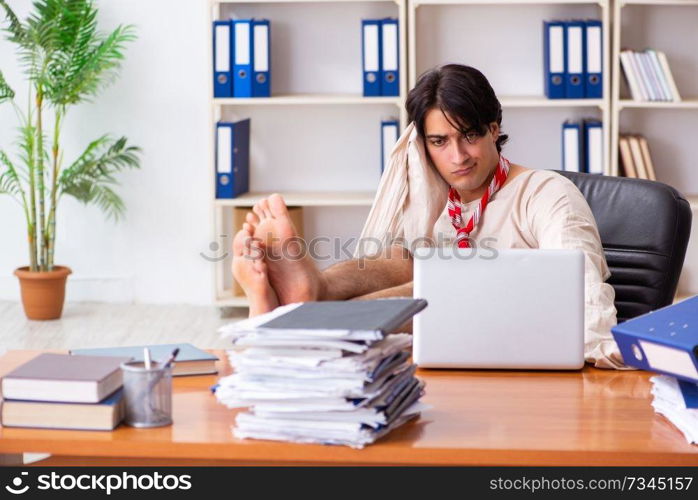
447	181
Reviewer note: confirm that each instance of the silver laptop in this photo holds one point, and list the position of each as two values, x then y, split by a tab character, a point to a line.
502	309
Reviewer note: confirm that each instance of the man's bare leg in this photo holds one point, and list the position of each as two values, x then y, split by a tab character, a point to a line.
298	279
405	290
364	277
250	270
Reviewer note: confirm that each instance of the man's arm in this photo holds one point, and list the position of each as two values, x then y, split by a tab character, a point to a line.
370	275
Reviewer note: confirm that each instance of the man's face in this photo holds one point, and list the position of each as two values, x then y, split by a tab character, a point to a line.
464	161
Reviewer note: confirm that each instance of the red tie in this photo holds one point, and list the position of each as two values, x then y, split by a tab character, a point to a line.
454	204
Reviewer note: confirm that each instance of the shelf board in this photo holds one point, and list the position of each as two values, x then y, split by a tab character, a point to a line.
223	2
506	2
689	3
306	99
227	299
544	102
306	199
683	104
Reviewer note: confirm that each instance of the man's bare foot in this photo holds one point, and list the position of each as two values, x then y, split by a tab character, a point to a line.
292	273
250	270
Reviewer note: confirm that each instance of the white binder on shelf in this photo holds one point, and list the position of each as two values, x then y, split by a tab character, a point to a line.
630	76
642	77
663	82
670	78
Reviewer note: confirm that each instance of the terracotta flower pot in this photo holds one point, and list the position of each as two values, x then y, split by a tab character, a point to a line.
43	292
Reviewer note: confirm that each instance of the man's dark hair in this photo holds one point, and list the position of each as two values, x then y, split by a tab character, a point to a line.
462	93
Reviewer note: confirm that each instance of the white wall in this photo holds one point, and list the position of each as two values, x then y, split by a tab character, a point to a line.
160	103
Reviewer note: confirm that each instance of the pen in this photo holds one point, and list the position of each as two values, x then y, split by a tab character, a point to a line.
171	358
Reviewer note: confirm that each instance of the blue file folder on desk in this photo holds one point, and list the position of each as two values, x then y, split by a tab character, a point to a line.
232	158
664	341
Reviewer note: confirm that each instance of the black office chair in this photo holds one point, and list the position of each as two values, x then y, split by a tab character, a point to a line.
644	228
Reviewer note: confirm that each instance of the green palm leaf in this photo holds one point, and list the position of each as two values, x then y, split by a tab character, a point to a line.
91	177
6	91
9	179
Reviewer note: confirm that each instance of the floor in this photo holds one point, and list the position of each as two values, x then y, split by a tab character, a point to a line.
86	324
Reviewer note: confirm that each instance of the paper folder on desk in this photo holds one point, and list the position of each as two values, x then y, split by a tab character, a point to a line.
664	341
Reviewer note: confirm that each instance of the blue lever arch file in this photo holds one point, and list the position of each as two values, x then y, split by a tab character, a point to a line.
594	59
232	158
554	54
261	46
389	136
390	68
576	49
664	341
571	147
593	146
371	56
242	59
222	59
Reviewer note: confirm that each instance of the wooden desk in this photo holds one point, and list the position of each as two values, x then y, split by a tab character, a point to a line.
592	417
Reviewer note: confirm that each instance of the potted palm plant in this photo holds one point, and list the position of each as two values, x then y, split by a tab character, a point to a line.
66	61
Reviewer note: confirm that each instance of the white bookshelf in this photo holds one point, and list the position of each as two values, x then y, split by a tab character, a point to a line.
307	99
543	102
513	63
683	104
655	32
305	199
302	45
669	26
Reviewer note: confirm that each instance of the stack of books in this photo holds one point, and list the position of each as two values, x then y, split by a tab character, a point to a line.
648	76
677	400
323	372
635	158
64	392
665	341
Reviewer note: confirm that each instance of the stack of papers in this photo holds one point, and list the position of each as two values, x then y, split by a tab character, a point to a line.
677	400
330	386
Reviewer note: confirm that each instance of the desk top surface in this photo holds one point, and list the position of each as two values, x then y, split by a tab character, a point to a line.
588	417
